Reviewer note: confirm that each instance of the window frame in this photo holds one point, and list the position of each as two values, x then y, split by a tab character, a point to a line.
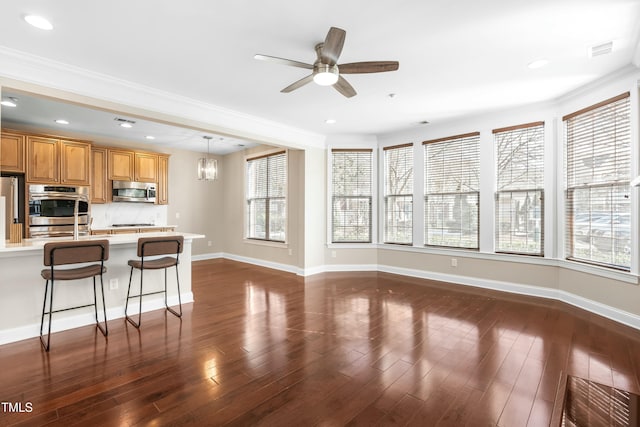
334	198
621	183
467	137
404	197
520	189
268	198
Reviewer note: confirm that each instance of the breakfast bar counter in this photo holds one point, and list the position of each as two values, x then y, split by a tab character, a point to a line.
22	287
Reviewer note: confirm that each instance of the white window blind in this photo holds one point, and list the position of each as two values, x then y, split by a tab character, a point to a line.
398	194
452	195
351	195
520	179
266	197
598	159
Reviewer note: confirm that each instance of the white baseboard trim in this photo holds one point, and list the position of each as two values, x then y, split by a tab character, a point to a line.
620	316
611	313
262	263
66	323
203	257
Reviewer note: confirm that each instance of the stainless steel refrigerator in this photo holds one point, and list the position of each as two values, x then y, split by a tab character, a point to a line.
9	189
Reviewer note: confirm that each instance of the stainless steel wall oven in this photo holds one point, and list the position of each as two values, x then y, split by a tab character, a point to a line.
52	210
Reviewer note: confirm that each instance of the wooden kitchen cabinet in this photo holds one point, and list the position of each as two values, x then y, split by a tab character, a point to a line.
146	167
12	152
42	160
75	162
121	164
162	191
99	184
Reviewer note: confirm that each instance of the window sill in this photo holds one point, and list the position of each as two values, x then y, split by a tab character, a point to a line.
268	243
352	245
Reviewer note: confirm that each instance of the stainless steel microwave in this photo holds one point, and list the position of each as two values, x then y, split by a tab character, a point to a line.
137	192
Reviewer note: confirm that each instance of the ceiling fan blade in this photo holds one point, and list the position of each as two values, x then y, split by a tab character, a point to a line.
332	47
368	67
283	61
344	87
293	86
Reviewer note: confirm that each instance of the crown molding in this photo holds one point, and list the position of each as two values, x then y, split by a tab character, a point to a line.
94	88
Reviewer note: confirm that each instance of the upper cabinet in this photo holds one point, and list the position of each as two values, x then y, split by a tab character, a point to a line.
139	166
75	162
42	160
146	167
12	152
55	161
99	182
162	192
121	164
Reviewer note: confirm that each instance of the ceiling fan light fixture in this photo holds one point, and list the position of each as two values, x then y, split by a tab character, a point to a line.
10	102
39	22
325	75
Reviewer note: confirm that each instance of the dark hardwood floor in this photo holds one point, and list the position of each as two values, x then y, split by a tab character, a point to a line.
262	347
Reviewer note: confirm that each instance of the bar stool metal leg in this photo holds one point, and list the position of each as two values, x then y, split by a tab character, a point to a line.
126	306
166	304
105	330
50	313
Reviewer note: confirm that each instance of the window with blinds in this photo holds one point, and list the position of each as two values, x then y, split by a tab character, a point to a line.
598	167
351	198
520	183
266	197
452	191
398	194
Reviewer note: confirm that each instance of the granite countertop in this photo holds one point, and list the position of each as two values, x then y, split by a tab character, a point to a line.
114	239
130	227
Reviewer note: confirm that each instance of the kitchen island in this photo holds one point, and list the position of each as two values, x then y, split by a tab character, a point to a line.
22	287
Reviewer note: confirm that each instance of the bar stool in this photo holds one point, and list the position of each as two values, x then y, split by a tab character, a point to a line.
155	247
73	252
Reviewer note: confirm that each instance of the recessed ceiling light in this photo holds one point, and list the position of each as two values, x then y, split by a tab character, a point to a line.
392	95
330	121
150	137
538	63
39	22
423	122
62	122
124	122
9	102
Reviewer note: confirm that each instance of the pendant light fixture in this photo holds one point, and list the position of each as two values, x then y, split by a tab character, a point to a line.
207	168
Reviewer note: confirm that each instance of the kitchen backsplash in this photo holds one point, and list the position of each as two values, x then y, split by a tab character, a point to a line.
105	215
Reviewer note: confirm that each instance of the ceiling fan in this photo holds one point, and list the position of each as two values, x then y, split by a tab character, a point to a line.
326	70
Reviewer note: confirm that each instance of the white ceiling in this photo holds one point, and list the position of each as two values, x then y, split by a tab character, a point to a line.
457	58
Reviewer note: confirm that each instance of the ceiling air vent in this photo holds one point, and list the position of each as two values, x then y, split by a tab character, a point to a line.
120	120
600	49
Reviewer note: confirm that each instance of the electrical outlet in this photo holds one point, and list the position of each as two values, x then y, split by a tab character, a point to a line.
177	215
454	262
113	284
333	254
290	251
209	243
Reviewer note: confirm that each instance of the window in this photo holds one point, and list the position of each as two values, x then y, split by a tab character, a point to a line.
398	194
266	197
351	196
520	179
452	196
598	165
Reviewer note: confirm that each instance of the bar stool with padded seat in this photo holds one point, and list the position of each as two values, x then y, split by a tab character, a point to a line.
73	252
155	247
